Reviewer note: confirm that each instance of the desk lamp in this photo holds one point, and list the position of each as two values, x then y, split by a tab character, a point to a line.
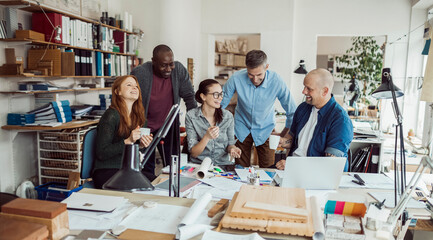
56	29
426	162
387	90
301	69
129	177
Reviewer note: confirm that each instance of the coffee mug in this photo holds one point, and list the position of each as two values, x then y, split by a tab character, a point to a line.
144	131
274	140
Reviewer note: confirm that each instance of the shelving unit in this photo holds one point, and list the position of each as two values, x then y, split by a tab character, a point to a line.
44	43
56	91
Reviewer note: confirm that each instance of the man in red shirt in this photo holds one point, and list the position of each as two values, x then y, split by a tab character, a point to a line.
163	82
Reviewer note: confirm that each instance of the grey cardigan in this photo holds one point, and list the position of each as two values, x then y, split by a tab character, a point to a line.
182	87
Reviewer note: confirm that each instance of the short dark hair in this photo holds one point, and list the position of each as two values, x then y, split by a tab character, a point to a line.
161	48
255	58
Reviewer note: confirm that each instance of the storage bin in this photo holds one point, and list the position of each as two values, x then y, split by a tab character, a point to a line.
54	191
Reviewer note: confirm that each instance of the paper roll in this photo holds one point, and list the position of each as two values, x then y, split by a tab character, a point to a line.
186	229
204	167
319	229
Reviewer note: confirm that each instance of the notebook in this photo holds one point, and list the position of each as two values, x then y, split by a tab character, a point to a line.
313	172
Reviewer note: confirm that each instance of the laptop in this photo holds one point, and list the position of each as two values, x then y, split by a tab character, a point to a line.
313	172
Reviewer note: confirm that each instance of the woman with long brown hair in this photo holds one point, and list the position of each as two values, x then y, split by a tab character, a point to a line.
119	125
210	129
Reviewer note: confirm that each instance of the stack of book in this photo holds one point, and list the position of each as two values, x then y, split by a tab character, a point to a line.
59	111
20	118
81	110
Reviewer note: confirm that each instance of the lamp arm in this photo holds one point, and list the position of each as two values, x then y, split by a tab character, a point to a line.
405	197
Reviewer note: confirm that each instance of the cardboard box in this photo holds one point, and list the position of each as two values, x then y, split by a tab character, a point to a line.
29	34
68	64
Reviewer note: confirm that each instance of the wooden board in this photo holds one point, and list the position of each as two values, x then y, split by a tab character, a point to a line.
58	226
19	230
34	208
290	197
269	226
133	234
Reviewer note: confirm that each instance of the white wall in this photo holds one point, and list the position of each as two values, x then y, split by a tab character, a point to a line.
348	18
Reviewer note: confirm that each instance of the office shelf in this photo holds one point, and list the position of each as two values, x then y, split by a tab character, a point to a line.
56	91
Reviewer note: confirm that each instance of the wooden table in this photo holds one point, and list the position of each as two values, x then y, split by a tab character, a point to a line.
68	125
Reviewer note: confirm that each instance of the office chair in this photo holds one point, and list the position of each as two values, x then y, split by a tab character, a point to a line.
88	157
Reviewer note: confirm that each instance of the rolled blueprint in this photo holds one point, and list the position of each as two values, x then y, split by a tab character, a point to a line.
204	167
186	228
319	229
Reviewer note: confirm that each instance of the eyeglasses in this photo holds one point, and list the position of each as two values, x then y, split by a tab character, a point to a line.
217	95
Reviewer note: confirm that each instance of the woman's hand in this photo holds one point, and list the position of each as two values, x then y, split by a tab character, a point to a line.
134	136
145	140
234	151
212	132
281	164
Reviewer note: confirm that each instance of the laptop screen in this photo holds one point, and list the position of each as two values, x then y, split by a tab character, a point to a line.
313	172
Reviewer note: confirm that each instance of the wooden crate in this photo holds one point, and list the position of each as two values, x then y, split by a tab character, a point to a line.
29	34
36	55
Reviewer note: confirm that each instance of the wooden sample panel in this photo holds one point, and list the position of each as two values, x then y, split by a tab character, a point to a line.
270	226
14	230
34	208
289	197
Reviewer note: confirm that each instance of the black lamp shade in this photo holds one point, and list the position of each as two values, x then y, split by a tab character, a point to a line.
301	69
384	90
129	176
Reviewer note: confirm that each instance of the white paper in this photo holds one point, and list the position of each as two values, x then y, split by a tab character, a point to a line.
319	229
223	183
321	196
390	197
216	193
98	220
192	230
243	173
372	180
204	167
186	228
163	218
93	202
378	214
212	235
197	207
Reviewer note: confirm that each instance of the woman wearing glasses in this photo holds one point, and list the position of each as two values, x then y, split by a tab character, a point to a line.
210	129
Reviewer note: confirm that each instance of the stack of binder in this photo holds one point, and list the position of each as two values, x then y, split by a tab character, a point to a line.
365	160
59	111
20	118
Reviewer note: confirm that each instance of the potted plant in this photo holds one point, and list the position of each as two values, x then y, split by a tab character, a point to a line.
364	62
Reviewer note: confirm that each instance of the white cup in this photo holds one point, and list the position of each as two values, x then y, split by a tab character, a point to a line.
144	131
274	140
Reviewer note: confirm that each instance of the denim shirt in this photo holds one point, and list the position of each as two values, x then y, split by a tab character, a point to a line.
333	133
255	108
196	126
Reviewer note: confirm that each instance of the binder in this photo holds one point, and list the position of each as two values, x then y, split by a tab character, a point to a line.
41	24
77	62
99	66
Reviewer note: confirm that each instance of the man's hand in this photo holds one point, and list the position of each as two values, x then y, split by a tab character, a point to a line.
281	164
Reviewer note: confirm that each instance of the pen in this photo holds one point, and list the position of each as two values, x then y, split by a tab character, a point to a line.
358	182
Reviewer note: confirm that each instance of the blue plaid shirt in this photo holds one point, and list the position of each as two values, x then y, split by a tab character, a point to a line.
255	108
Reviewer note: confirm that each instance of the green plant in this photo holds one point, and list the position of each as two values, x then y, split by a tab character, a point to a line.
363	60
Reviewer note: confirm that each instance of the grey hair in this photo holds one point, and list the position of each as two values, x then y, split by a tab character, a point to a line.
256	58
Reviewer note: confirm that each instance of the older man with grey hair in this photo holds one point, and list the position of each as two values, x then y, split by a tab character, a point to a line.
321	127
257	89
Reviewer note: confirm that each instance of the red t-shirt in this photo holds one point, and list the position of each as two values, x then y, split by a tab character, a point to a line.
161	100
